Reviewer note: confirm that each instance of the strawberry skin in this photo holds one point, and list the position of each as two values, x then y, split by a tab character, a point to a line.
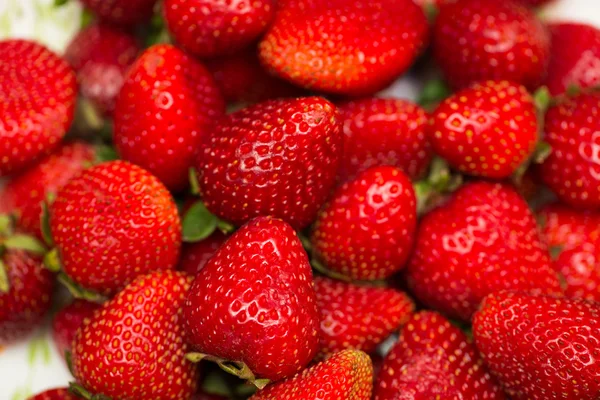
278	158
379	209
400	129
113	222
540	347
488	129
164	110
484	239
194	256
434	360
209	28
55	394
321	45
254	302
347	375
477	40
37	102
121	12
580	268
567	227
358	317
66	322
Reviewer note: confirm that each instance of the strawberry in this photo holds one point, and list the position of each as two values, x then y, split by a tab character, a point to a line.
121	12
66	322
434	360
55	394
113	222
358	317
400	129
164	110
133	347
540	347
477	40
566	227
572	170
322	45
101	55
37	103
347	375
484	239
278	158
580	267
194	256
253	304
488	129
25	192
367	230
209	28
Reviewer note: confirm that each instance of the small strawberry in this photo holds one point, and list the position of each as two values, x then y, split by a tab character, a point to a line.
367	230
209	28
580	268
253	304
37	103
278	158
66	322
322	45
565	227
134	347
194	256
113	222
540	347
572	170
55	394
434	360
347	375
121	12
358	317
384	132
483	240
101	55
165	108
488	129
575	57
477	40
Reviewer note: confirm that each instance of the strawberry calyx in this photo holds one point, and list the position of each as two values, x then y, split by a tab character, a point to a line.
236	368
82	392
199	223
439	182
434	92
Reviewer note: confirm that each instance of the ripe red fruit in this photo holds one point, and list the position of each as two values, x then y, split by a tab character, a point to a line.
55	394
367	230
101	55
566	227
278	158
540	347
477	40
575	57
121	12
358	317
113	222
347	375
483	240
580	267
206	396
254	302
66	322
134	347
37	102
488	129
384	132
165	108
323	46
194	256
572	170
209	28
434	360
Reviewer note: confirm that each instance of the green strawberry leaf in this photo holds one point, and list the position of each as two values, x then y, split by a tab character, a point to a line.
25	242
198	223
45	223
434	91
4	282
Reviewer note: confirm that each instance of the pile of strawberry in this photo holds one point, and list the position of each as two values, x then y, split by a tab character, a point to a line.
235	215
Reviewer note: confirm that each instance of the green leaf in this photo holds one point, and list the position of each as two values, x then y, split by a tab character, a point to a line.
434	91
198	223
6	223
87	17
52	261
541	152
105	153
25	242
4	281
45	223
194	186
542	99
59	3
216	383
79	292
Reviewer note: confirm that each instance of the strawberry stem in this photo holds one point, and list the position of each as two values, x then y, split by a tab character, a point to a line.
80	391
79	292
4	282
194	185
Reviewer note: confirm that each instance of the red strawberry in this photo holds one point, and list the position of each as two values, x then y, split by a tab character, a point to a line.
68	320
25	192
347	375
384	132
572	170
483	240
540	347
194	256
322	45
434	360
254	302
133	347
488	129
121	12
477	40
37	102
55	394
358	317
580	267
575	57
209	28
566	227
113	222
367	230
164	110
101	56
279	158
